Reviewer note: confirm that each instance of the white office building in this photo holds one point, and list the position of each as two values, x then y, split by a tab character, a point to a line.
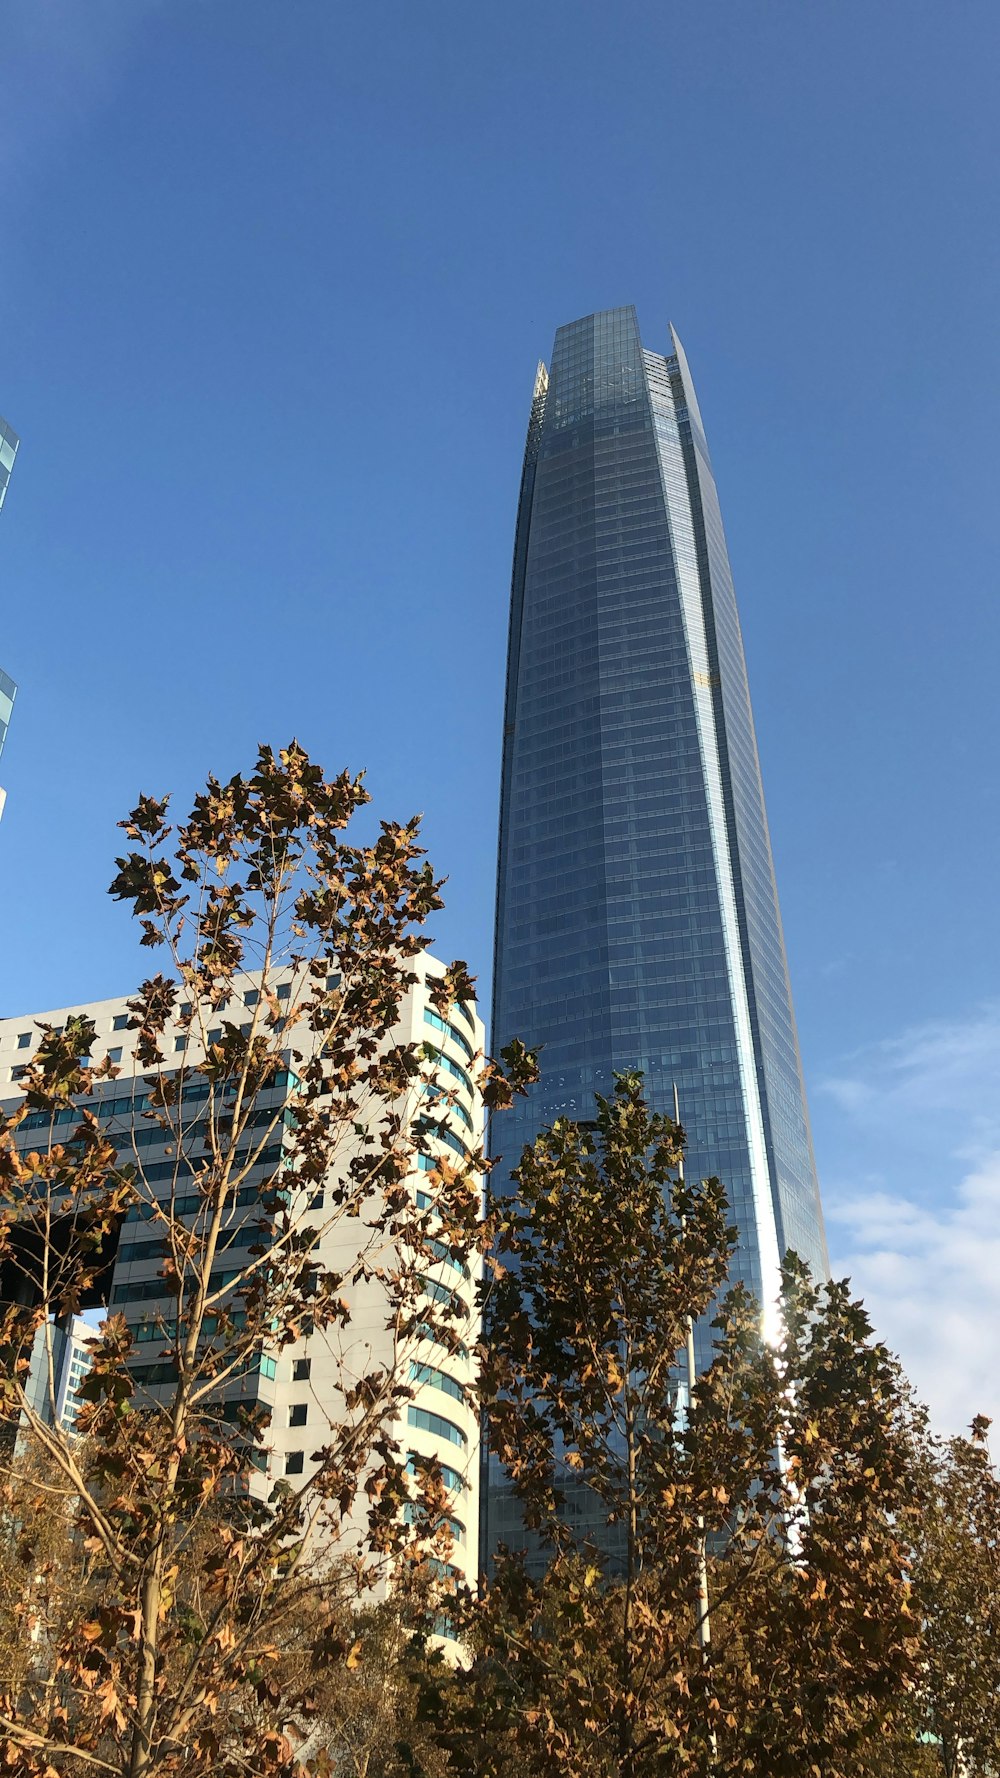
299	1384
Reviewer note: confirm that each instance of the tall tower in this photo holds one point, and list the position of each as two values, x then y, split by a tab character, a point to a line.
637	914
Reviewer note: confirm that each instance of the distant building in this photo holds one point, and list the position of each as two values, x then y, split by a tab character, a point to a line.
297	1384
8	690
59	1363
9	442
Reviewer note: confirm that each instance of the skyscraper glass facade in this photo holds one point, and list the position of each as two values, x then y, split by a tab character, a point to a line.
8	451
637	915
8	692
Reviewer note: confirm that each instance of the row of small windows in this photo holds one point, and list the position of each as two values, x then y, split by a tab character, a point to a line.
133	1252
165	1371
148	1289
151	1289
122	1021
156	1136
183	1168
192	1092
19	1072
165	1327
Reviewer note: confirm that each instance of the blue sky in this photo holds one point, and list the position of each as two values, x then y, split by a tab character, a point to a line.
273	285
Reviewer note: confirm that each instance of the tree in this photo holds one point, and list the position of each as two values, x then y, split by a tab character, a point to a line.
173	1655
788	1468
957	1597
821	1648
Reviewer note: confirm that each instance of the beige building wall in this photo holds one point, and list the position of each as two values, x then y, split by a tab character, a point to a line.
300	1384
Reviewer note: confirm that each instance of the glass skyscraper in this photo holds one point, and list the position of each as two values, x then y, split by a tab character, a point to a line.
8	451
637	915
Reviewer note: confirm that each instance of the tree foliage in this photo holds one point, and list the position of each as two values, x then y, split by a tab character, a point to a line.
198	1617
957	1596
791	1576
786	1474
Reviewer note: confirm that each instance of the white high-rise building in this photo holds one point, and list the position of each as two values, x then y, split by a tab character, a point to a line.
59	1363
298	1384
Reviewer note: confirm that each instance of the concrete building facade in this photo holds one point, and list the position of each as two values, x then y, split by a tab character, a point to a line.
299	1384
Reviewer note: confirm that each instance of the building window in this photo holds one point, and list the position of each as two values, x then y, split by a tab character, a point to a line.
18	1073
120	1022
180	1043
115	1055
452	1031
285	991
438	1379
298	1413
216	1035
268	1366
442	1061
449	1476
432	1091
437	1424
23	1039
439	1337
444	1254
414	1512
294	1462
439	1293
301	1368
251	997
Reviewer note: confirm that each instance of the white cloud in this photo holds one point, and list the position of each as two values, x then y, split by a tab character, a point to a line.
930	1278
919	1230
948	1068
